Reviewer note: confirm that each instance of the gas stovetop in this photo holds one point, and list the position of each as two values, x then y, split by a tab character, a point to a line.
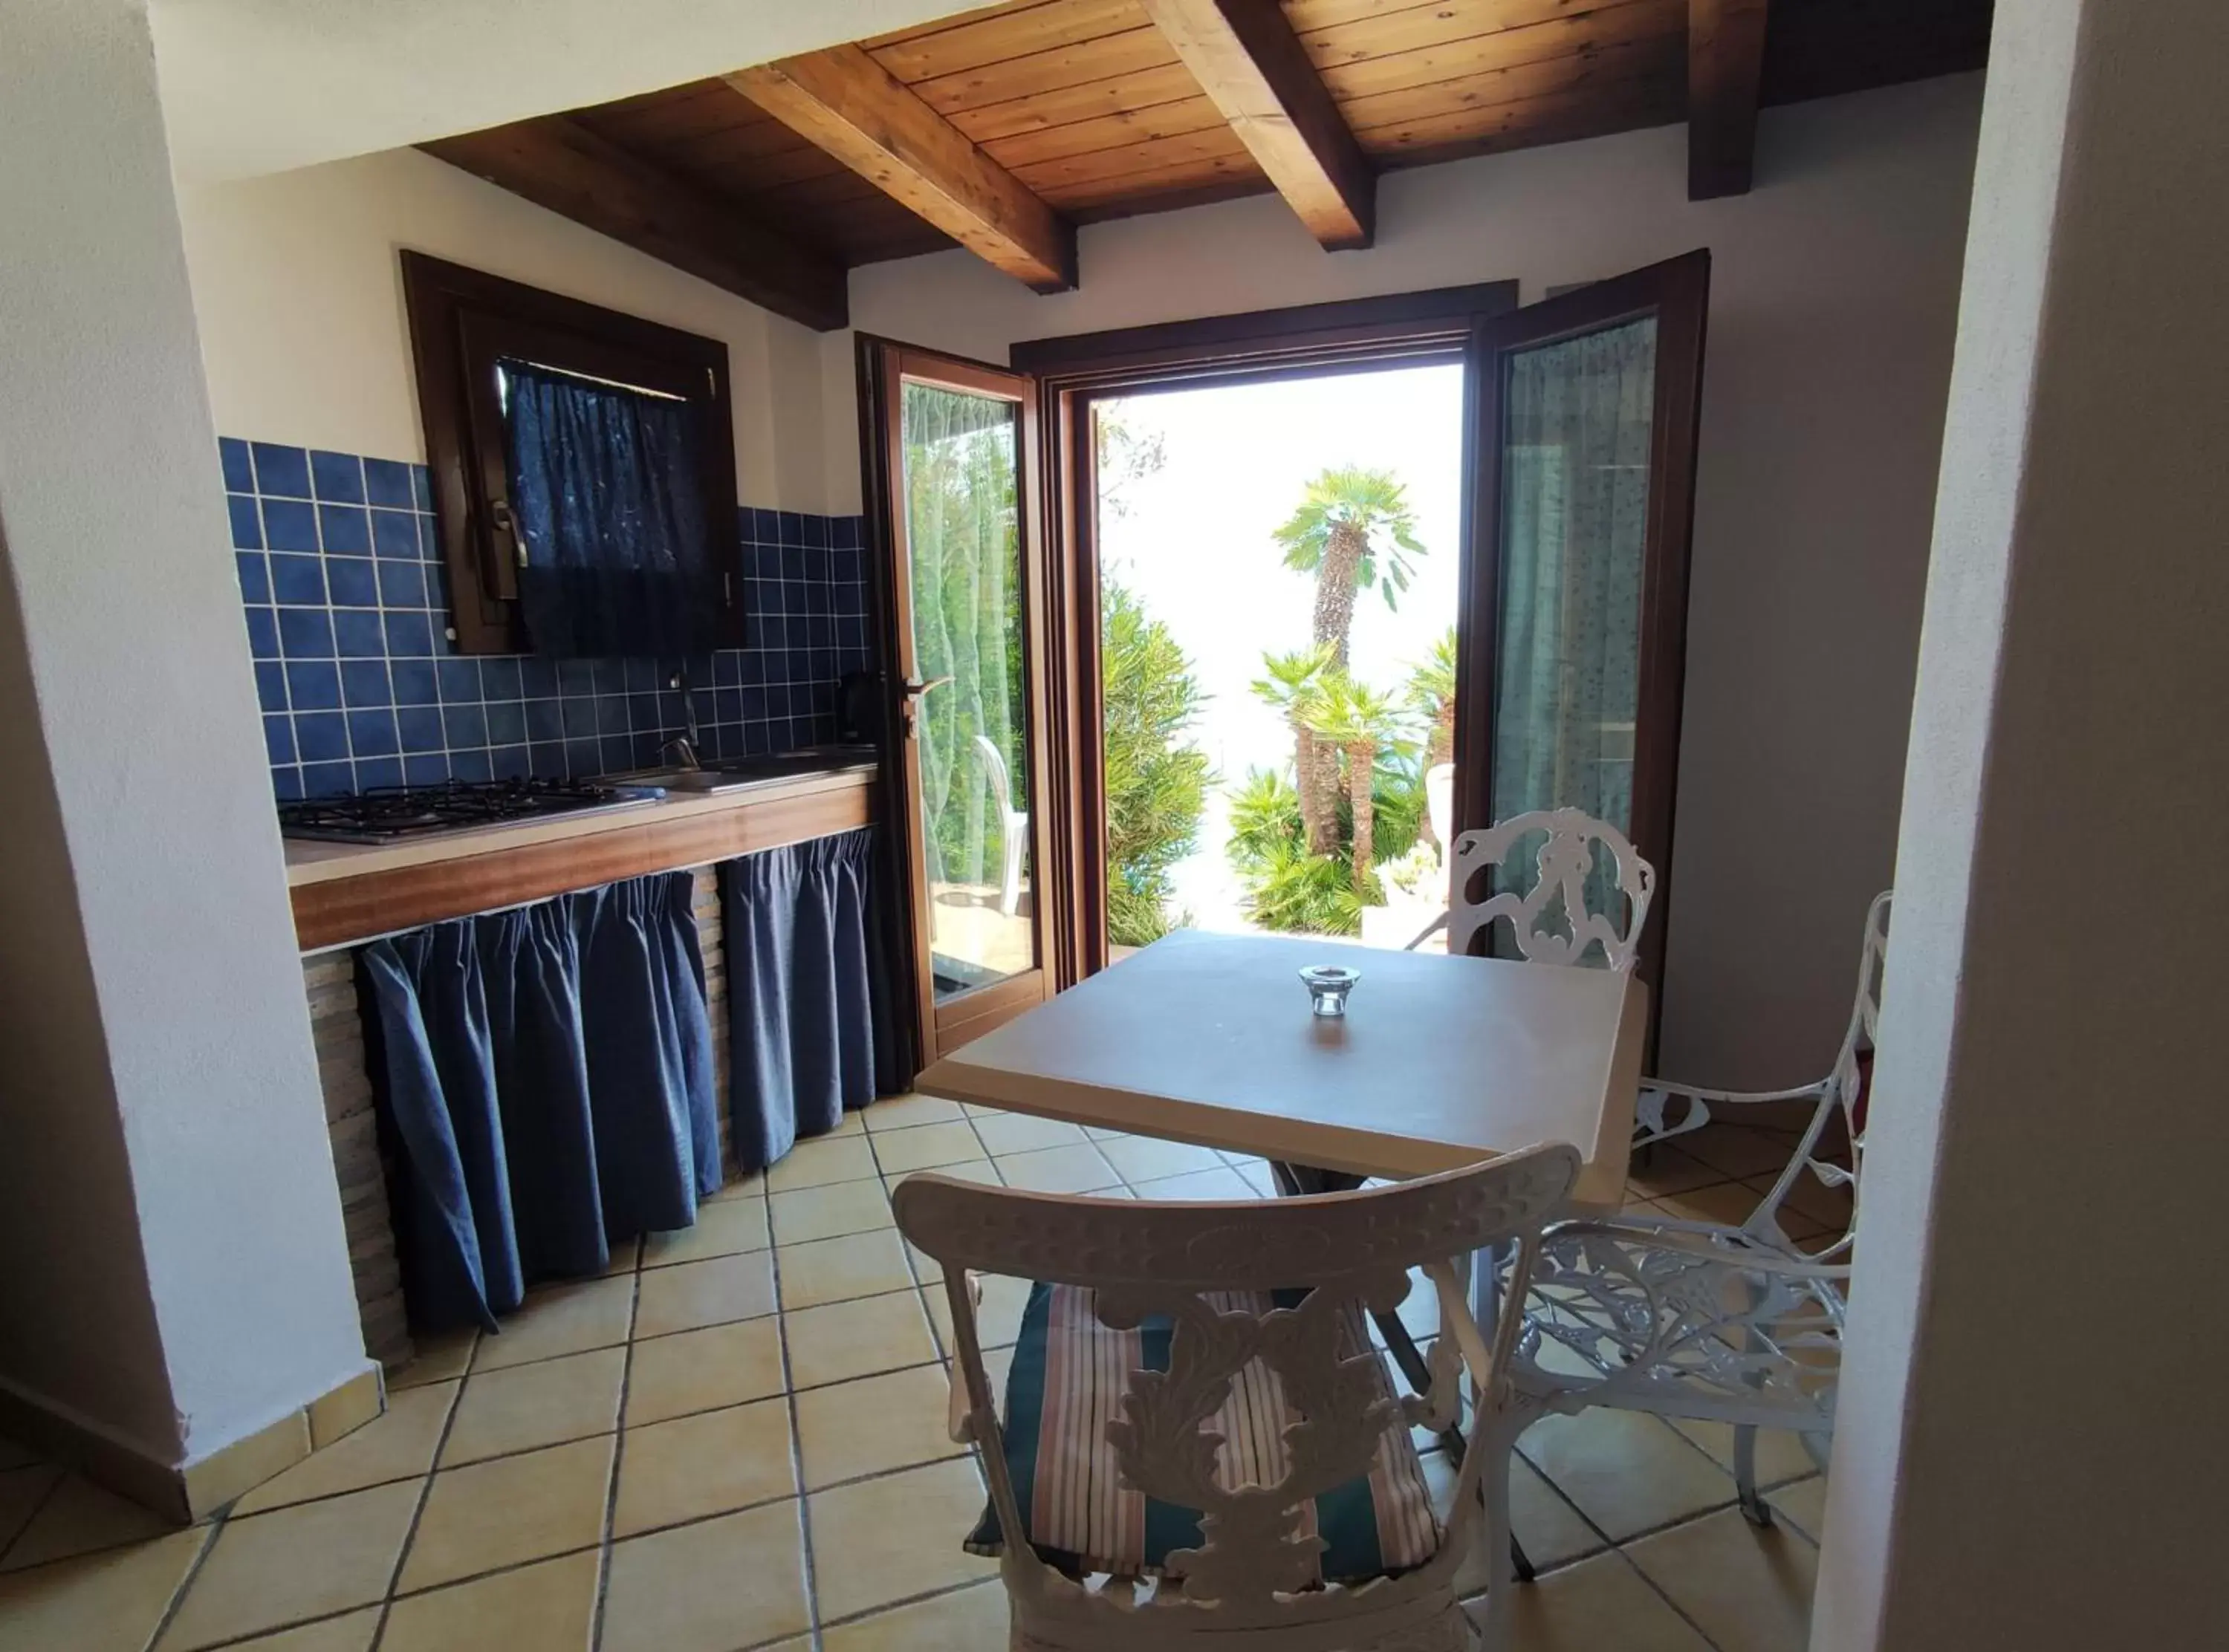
388	814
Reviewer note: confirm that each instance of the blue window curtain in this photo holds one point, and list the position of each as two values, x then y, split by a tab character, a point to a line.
609	499
545	1076
809	993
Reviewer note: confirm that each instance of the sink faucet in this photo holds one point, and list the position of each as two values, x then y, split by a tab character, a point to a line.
684	744
684	752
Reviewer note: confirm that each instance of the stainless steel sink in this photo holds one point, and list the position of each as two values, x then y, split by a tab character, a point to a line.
746	771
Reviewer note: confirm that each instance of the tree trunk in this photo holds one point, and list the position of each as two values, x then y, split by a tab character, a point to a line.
1361	770
1323	783
1304	781
1335	578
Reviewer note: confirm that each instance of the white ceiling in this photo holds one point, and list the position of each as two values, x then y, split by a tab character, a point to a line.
261	85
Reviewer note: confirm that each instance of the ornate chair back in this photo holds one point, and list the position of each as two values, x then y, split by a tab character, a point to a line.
1564	867
1268	1295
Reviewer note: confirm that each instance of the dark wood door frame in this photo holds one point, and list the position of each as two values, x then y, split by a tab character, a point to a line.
1309	341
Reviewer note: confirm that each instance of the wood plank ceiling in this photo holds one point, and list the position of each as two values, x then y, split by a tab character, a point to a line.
1090	108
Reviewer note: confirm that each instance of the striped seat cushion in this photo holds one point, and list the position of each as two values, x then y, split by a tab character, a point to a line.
1066	1384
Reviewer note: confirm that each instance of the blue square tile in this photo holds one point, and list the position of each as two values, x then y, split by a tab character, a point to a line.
612	714
673	709
287	783
584	758
279	738
305	633
545	720
506	722
421	486
548	761
728	668
328	779
364	683
371	734
580	719
247	526
426	769
466	725
289	525
321	736
642	713
374	772
338	477
851	531
510	762
727	705
501	678
639	676
750	666
298	582
420	728
346	530
239	472
415	682
356	634
284	470
429	540
262	634
409	636
791	531
616	752
461	681
255	576
576	677
394	535
388	483
314	685
401	585
816	531
750	705
351	582
471	765
270	685
537	678
757	741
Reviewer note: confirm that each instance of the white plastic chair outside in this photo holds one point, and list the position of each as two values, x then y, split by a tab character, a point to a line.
1700	1320
1565	863
1254	1582
1016	824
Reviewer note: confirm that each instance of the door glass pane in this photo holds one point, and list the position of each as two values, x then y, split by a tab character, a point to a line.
963	550
1573	532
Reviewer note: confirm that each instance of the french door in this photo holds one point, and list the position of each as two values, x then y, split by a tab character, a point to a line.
955	506
1572	642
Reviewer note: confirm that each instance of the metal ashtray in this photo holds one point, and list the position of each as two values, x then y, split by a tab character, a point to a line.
1328	985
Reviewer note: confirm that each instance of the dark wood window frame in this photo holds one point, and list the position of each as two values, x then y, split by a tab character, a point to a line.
460	320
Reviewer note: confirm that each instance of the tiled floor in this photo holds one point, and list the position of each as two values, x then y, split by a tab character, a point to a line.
736	1439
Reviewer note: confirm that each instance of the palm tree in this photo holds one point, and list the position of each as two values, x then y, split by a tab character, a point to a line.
1353	529
1292	683
1431	690
1356	718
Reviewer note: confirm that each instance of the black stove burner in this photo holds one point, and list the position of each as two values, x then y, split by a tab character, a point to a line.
386	813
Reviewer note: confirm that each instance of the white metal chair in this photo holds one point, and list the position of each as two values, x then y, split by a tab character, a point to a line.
1014	823
1565	863
1738	1325
1202	1370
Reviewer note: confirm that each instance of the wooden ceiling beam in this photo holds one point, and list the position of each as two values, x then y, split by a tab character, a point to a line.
1725	74
557	162
858	111
1247	58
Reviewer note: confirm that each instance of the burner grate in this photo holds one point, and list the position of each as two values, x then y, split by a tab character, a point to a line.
388	812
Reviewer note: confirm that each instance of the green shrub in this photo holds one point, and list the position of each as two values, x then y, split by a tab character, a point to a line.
1156	779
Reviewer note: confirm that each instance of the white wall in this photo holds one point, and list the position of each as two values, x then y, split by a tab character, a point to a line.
2029	1446
176	1275
298	292
1833	301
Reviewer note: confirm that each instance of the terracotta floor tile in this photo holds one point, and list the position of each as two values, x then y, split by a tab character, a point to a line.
441	1358
395	1445
903	1112
561	1319
1544	1522
1221	1183
693	1371
551	1606
78	1518
708	1463
893	1421
1804	1506
731	1228
926	1268
1810	1198
813	1164
829	1213
1780	1456
1729	1203
534	1406
857	1339
1146	1158
1749	1591
1598	1605
22	1491
697	1294
101	1602
499	1513
1257	1175
1626	1472
1659	1170
896	1537
263	1571
966	1620
626	1256
997	1315
976	1170
1021	1133
1078	1168
927	1146
837	1269
1738	1149
13	1455
735	1581
350	1632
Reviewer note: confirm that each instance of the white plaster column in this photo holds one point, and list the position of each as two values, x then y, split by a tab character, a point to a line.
172	1272
2031	1451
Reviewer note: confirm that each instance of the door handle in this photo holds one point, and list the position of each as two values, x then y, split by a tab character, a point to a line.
916	688
916	691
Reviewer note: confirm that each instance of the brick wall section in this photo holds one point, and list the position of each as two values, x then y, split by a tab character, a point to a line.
336	1023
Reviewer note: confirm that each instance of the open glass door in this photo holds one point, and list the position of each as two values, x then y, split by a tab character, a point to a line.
953	478
1572	655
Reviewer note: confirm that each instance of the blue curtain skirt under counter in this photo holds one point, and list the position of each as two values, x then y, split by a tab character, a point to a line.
547	1076
809	992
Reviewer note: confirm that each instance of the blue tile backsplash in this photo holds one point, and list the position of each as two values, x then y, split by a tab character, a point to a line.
347	604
